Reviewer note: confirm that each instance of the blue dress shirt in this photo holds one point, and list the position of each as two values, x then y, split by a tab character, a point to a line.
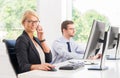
60	50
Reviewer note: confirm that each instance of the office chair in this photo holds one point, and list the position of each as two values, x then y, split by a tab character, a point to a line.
10	45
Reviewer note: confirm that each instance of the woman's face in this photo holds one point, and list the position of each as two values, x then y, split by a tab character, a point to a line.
31	23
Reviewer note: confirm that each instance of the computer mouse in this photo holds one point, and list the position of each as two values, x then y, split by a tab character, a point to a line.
52	69
92	63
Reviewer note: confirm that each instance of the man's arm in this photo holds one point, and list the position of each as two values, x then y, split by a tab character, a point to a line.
61	50
79	48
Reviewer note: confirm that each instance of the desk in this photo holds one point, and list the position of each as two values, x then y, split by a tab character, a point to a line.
112	72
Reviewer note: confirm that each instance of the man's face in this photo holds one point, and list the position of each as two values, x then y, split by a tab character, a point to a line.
70	31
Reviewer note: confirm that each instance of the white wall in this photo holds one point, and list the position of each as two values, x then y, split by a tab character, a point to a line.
52	13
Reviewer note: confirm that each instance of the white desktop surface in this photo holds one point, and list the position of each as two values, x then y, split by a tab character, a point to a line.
112	72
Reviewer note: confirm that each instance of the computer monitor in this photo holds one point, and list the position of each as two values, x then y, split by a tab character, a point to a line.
113	37
113	42
95	39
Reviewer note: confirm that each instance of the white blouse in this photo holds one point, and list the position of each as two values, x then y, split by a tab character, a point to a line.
41	53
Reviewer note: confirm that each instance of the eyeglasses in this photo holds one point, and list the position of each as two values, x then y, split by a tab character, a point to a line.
33	22
71	29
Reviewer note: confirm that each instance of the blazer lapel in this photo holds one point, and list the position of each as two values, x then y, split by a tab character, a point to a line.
34	48
37	41
31	44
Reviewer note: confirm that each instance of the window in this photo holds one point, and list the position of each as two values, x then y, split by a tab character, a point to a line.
10	17
85	11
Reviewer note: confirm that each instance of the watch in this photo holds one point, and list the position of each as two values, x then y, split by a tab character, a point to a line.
42	40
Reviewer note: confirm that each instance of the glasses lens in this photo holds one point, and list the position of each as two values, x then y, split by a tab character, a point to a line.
32	22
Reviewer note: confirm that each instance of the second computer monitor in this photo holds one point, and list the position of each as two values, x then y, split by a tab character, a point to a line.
113	37
95	39
113	43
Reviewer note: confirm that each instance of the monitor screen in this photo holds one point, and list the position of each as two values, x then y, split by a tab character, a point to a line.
95	38
113	43
113	37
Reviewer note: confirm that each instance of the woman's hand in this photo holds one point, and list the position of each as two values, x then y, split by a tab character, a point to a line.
45	66
40	33
41	38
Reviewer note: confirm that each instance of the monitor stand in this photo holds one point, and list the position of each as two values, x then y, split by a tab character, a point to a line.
108	57
102	60
97	68
112	58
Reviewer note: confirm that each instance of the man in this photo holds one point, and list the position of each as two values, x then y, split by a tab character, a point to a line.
65	47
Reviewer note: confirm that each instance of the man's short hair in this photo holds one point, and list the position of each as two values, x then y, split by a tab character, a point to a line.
65	24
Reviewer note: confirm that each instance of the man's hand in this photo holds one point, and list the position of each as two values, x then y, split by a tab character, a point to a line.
98	56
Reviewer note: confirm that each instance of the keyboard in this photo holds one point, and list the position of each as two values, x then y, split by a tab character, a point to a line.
86	62
90	63
72	66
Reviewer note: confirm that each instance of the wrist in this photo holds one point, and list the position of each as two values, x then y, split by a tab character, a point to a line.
42	40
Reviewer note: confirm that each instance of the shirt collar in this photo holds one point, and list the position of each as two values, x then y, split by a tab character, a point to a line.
66	40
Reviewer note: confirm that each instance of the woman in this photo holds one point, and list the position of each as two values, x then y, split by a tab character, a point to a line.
32	53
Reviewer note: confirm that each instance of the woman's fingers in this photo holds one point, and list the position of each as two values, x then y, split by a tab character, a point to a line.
46	66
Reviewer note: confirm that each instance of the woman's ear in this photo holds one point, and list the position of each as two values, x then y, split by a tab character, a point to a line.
23	24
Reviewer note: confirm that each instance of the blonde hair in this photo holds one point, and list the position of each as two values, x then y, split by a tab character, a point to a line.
29	13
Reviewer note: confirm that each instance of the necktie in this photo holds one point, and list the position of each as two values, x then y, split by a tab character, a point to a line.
68	44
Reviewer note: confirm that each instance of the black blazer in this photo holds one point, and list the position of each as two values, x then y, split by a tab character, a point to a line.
27	54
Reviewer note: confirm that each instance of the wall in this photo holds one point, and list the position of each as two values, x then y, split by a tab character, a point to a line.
52	13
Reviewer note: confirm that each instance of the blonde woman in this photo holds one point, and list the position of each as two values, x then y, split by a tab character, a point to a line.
32	52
